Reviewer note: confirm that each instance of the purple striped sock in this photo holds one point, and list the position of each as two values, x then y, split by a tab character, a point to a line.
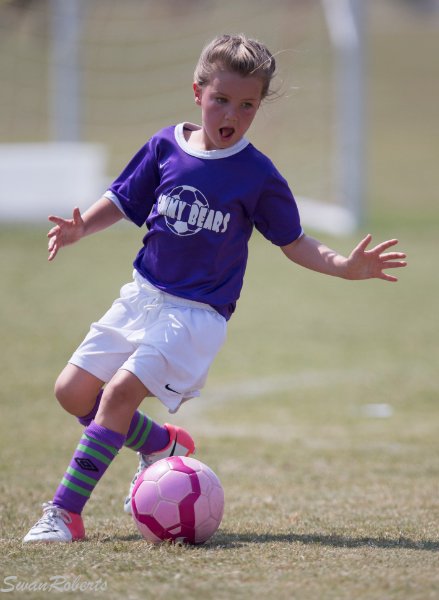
144	434
95	452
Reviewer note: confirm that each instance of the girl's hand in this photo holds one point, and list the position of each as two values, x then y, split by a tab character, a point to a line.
367	264
65	232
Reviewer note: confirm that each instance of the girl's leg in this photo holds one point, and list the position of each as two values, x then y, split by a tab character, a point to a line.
101	441
103	438
120	399
80	394
99	445
76	390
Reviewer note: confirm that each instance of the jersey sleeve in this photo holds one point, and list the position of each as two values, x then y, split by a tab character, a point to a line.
277	216
135	187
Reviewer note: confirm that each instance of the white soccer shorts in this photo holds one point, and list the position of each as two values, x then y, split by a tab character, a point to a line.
168	342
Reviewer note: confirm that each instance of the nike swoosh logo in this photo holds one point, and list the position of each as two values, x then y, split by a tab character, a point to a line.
168	387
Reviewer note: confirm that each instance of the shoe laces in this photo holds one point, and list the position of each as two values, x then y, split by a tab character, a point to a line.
50	515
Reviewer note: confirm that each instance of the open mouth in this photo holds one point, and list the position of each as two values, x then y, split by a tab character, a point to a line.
226	132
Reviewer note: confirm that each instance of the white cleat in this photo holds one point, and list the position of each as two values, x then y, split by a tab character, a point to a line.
56	525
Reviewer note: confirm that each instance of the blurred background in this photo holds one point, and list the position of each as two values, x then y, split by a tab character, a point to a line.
99	77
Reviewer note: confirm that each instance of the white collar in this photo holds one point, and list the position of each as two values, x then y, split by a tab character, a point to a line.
207	154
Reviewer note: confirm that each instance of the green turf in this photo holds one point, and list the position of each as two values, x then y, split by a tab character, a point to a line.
323	500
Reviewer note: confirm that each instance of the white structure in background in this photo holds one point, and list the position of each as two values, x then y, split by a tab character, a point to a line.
41	178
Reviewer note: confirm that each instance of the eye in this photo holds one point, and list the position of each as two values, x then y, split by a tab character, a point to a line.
220	100
247	105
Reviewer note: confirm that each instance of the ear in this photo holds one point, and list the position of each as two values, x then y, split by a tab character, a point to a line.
198	91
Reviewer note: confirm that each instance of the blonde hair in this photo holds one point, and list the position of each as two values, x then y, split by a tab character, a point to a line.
239	54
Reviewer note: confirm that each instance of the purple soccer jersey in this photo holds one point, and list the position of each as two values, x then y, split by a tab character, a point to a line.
200	208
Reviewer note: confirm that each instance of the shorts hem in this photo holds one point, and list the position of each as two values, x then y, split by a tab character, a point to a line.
90	368
156	389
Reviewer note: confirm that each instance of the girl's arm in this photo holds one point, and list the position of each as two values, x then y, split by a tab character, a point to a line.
360	264
100	215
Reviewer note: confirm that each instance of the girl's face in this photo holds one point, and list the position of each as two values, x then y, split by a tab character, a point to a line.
229	103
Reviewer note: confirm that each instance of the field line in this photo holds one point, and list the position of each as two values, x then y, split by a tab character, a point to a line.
264	385
216	393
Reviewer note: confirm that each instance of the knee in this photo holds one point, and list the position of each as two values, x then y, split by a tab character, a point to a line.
64	393
120	399
115	396
76	391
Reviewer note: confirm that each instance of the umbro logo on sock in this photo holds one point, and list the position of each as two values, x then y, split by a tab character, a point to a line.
86	464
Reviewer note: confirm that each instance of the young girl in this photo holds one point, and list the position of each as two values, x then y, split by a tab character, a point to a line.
200	190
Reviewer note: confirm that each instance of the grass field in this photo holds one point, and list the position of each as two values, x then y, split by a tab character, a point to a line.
324	499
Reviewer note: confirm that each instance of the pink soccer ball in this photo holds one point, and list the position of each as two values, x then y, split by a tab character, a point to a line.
179	499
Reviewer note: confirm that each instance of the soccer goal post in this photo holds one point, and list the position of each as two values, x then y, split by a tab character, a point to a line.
346	26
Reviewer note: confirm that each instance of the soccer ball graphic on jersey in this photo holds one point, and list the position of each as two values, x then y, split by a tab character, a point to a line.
183	210
179	499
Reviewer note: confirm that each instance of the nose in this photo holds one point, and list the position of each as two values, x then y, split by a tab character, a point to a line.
231	114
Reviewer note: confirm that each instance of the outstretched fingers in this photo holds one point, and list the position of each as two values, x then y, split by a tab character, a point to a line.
366	264
387	277
65	231
361	247
393	255
391	260
380	248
